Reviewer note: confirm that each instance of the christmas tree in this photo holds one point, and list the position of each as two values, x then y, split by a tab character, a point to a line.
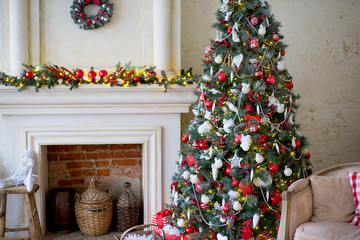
243	147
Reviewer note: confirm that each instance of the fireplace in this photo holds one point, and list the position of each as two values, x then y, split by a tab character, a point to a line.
94	115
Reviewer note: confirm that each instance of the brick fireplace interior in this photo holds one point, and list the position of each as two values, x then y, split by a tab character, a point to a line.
72	166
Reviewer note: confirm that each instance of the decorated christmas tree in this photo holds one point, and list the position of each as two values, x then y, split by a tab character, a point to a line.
243	148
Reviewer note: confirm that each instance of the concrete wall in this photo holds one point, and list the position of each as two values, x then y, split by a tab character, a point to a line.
323	58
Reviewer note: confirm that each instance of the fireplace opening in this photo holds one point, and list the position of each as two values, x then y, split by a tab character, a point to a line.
70	168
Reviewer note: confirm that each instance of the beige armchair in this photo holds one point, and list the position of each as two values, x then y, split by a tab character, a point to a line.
319	207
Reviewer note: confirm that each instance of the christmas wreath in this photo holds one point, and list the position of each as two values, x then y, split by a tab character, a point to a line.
95	21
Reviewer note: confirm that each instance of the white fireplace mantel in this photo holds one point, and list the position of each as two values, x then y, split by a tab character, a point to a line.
94	114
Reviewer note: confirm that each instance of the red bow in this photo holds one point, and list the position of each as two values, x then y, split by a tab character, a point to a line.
160	216
248	118
97	2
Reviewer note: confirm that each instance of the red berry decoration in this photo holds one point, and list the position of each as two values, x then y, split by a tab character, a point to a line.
249	108
92	74
190	160
289	85
222	76
237	138
270	80
226	207
137	79
79	73
254	96
29	74
185	138
275	37
273	168
254	21
208	104
259	74
229	30
103	73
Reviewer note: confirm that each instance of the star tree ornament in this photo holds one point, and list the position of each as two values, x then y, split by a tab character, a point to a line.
243	146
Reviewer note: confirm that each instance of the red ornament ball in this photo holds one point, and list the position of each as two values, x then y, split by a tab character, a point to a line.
254	45
275	37
195	144
189	230
259	74
208	104
103	73
282	53
235	182
101	12
190	160
137	79
185	138
229	30
29	74
270	80
222	77
198	188
307	155
81	15
254	21
228	170
289	85
92	74
273	167
79	73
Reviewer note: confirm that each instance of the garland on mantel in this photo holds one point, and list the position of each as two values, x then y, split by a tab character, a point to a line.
50	75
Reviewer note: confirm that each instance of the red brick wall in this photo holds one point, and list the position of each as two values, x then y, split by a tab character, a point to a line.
73	165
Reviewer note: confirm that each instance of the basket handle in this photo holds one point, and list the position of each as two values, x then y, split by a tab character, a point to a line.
140	227
77	198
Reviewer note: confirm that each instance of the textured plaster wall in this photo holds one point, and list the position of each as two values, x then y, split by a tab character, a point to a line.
323	58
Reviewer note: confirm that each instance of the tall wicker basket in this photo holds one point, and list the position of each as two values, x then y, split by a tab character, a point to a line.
93	210
128	209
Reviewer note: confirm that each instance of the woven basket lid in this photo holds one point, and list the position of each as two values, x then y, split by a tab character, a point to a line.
93	194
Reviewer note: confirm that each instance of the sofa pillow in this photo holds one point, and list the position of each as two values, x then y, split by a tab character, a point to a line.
332	198
354	178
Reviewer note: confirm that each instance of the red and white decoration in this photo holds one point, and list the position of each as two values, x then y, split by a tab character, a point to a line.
354	178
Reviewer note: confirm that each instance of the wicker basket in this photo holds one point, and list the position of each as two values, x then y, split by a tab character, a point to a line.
93	210
142	232
128	209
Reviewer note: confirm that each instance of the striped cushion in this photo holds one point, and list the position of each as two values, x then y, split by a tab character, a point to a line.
354	178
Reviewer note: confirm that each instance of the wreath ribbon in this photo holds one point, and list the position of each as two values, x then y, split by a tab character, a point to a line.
97	2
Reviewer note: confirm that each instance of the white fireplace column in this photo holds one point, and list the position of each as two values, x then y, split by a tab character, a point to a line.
162	34
19	34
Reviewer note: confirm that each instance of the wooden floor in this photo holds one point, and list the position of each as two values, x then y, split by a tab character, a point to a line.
79	236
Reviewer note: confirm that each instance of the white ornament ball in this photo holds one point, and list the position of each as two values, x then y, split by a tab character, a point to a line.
186	175
288	172
37	68
60	81
218	59
205	199
259	158
222	220
281	66
181	223
194	179
85	77
237	206
280	108
97	78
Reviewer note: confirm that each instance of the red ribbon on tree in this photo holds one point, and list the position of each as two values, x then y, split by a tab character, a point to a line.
97	2
248	118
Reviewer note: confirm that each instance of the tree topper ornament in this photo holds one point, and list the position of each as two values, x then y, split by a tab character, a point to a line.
22	175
